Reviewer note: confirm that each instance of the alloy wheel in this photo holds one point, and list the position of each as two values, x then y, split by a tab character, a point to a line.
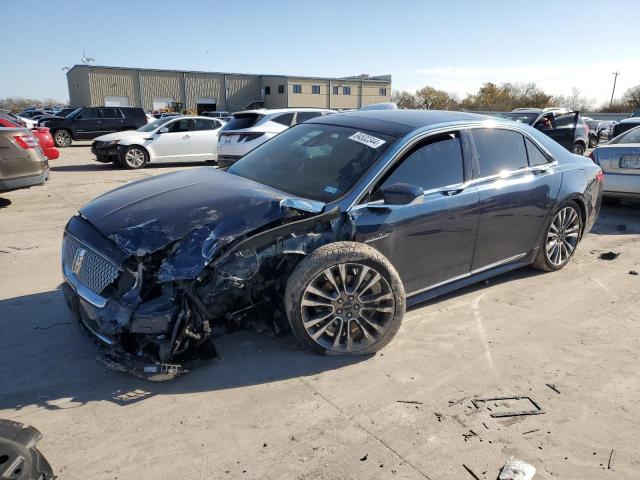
63	138
562	236
134	158
347	307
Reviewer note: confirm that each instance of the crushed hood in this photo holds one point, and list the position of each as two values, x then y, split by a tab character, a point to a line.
120	135
206	207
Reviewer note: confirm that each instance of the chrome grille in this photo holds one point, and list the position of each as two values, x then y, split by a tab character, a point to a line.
94	271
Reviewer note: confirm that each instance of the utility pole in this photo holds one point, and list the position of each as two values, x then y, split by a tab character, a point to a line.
615	79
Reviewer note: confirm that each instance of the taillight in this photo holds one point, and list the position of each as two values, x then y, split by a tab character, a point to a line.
599	176
26	141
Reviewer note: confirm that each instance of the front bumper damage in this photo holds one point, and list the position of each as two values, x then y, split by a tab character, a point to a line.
159	316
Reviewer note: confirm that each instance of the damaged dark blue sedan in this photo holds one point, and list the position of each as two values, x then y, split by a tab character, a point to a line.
330	230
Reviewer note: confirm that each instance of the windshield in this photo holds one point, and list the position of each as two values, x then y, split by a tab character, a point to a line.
630	136
518	117
319	162
150	127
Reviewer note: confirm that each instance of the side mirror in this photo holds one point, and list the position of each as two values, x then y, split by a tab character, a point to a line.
402	194
163	130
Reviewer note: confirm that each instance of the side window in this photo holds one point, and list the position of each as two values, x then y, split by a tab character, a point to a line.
284	119
182	125
280	88
111	113
315	89
567	120
297	88
304	116
89	114
202	124
499	150
435	164
536	157
267	90
336	90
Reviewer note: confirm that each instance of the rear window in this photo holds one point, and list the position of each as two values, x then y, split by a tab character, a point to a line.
304	116
284	119
242	120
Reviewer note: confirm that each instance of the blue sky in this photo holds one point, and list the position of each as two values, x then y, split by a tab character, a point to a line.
455	45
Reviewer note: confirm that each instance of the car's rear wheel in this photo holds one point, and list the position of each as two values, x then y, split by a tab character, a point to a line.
345	298
134	157
561	238
592	143
578	148
62	138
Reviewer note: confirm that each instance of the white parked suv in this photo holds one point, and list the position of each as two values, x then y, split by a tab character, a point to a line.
250	128
168	139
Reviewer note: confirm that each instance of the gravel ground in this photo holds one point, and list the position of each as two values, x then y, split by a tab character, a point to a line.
268	409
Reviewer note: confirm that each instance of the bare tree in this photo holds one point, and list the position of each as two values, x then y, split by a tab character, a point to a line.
575	101
632	97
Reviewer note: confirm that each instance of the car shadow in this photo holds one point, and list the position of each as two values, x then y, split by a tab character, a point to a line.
4	202
48	361
618	220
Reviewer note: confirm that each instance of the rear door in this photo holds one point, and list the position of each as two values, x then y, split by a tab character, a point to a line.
112	120
564	129
88	123
431	241
204	139
517	185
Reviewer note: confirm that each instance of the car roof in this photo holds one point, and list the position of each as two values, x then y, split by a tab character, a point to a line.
630	120
270	111
400	122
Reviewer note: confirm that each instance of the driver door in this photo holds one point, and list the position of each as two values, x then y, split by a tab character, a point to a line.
564	129
431	240
176	144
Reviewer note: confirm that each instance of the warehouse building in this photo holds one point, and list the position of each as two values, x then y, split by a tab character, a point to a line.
207	91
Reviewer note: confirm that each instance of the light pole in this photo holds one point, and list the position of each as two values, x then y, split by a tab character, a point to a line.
615	79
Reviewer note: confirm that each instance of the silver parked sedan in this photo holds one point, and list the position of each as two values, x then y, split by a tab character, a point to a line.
620	162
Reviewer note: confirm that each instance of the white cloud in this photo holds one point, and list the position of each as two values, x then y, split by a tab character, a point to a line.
594	79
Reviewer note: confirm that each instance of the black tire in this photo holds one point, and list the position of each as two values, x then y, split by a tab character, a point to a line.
361	262
578	148
543	261
593	143
134	157
62	138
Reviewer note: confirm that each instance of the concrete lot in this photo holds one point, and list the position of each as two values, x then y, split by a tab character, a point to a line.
270	410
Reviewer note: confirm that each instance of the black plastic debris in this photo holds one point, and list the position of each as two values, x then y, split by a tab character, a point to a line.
19	457
363	459
633	272
609	256
509	405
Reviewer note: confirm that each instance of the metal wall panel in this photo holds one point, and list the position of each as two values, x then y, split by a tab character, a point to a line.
157	84
203	86
117	83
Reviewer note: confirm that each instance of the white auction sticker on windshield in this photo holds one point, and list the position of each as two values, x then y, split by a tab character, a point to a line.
368	140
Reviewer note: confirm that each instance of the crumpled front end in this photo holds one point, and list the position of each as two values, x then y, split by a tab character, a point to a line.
156	312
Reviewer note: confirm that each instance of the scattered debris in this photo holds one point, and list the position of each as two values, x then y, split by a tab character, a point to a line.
537	410
609	463
553	387
438	416
51	326
531	431
470	472
413	402
469	435
485	425
456	402
633	272
517	470
363	459
264	445
609	256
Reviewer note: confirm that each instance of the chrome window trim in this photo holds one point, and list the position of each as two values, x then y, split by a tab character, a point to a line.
410	143
469	274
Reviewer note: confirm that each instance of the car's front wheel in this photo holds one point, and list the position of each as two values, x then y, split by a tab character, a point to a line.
345	298
134	157
578	148
62	138
561	238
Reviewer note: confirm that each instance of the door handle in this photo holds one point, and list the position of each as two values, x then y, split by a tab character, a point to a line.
187	136
449	193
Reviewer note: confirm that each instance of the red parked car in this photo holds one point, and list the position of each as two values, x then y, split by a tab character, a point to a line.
41	133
